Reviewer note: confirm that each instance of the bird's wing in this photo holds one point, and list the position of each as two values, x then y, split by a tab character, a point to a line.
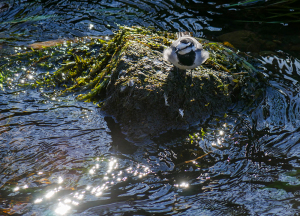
197	44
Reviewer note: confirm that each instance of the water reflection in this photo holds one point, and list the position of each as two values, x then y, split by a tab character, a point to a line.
59	156
26	22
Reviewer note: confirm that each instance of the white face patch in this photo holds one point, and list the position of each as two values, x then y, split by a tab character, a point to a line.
185	51
182	46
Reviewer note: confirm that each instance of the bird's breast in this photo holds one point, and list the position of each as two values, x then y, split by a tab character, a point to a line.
187	59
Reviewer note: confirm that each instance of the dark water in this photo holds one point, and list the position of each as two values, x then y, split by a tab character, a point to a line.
59	156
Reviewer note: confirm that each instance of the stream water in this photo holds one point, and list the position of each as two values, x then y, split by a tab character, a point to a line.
59	156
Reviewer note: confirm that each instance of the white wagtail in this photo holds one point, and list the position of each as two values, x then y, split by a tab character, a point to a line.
186	52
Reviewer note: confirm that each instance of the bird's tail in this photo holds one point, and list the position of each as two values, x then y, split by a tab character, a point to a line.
181	34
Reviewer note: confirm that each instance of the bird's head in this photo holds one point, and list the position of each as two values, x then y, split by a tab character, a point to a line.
185	46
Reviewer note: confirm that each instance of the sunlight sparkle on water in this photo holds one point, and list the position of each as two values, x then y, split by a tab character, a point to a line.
16	188
181	112
184	185
99	193
62	208
75	203
60	180
38	200
93	190
49	194
67	201
80	196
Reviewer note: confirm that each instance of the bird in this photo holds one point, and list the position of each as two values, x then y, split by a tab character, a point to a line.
186	52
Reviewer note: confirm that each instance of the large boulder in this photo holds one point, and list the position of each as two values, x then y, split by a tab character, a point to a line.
147	95
127	76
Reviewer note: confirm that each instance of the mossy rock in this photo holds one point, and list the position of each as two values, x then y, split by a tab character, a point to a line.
128	77
147	95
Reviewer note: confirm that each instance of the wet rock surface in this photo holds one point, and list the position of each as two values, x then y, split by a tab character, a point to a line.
147	95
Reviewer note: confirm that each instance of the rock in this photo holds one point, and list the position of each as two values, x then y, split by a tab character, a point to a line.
147	95
160	97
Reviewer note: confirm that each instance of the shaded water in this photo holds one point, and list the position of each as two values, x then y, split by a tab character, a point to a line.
60	156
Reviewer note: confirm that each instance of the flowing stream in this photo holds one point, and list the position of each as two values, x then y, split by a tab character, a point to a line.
60	156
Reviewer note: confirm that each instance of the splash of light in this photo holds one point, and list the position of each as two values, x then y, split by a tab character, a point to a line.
99	193
67	201
80	196
49	194
181	112
30	76
93	190
92	171
38	200
184	185
60	180
75	203
16	188
62	208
